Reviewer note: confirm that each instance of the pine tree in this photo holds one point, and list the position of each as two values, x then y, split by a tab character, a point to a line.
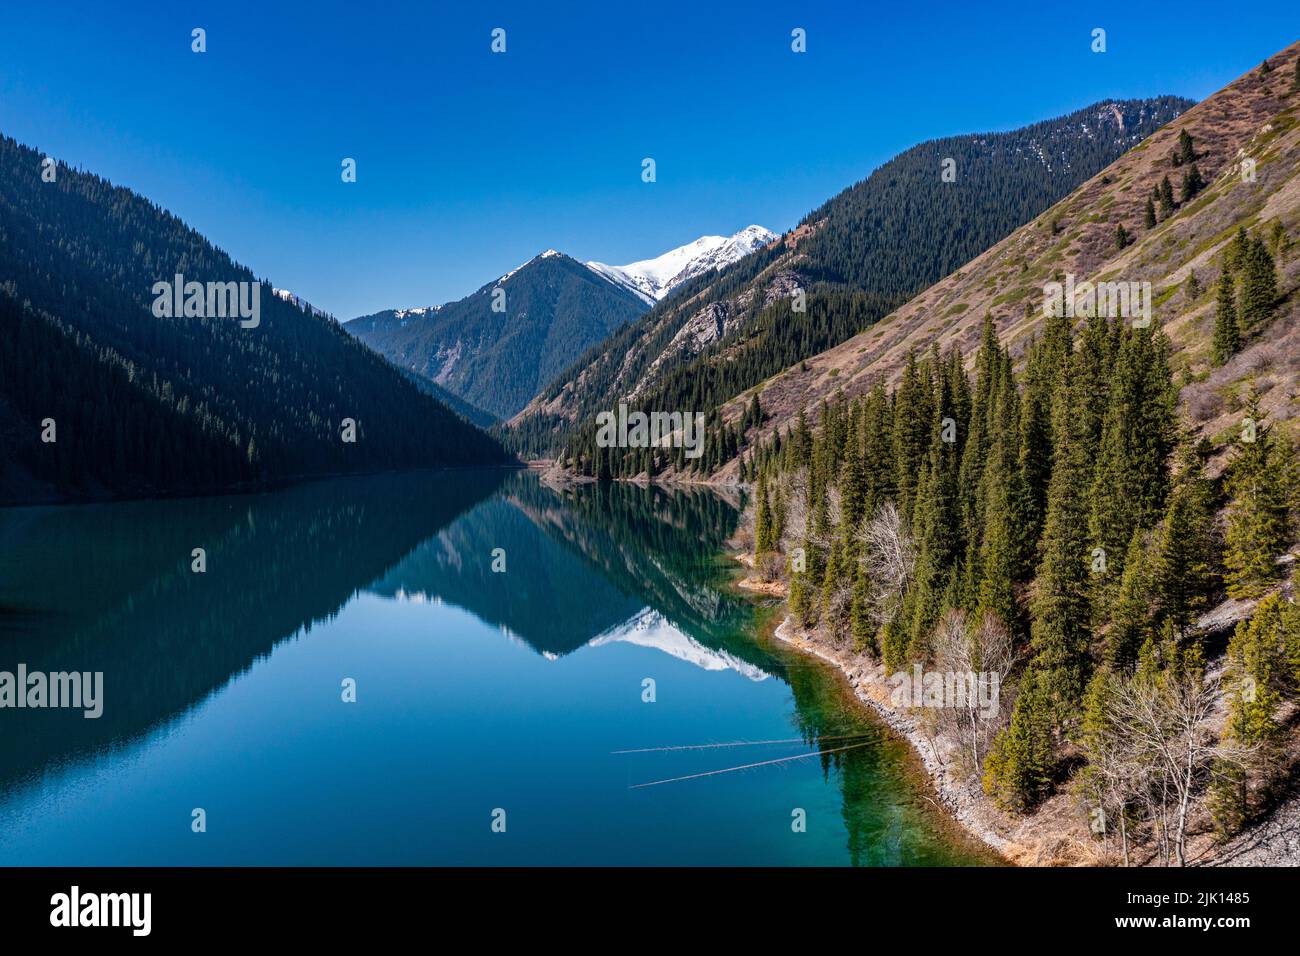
1185	566
998	562
1130	620
1260	479
861	624
1060	607
1258	284
912	421
1018	770
1192	184
1256	669
1186	150
763	537
1166	194
853	479
1227	332
1121	236
1149	214
1132	471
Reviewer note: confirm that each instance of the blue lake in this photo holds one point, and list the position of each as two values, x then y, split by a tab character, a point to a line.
481	695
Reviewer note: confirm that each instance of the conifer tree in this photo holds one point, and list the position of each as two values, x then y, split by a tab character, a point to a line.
1047	357
1149	214
1256	671
1260	480
978	438
1132	470
1166	194
853	479
1185	566
1121	236
1258	284
1227	332
1192	183
1130	620
1018	769
997	561
861	624
911	433
763	529
1060	608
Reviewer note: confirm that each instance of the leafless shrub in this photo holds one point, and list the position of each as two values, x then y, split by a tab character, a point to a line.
1204	404
987	652
1157	751
889	555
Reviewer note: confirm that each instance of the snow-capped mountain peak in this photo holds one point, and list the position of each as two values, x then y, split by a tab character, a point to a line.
652	279
548	254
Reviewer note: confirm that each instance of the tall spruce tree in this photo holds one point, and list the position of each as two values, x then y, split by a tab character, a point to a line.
1260	483
1258	283
1227	332
1018	770
1059	632
1132	471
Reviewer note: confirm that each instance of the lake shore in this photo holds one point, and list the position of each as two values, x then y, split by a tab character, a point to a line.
867	680
1055	834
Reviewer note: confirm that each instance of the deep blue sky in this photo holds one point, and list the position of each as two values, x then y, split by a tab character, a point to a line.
470	163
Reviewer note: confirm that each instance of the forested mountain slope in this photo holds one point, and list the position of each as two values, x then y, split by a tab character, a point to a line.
858	256
143	405
1254	119
1093	504
549	310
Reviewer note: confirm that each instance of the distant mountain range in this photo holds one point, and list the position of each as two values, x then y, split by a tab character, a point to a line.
855	258
498	347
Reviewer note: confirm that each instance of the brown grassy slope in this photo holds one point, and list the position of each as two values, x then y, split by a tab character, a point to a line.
1256	116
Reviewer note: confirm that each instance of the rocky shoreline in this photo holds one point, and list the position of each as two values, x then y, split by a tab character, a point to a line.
959	797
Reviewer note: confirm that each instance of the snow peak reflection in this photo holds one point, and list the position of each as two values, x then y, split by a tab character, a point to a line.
211	300
651	430
36	689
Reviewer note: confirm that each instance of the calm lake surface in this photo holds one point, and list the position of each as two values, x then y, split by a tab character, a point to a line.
476	691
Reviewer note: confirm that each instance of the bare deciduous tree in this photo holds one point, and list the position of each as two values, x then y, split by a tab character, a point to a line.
987	653
1161	747
890	559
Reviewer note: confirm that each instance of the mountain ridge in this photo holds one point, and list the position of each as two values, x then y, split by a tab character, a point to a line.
857	256
91	374
1254	117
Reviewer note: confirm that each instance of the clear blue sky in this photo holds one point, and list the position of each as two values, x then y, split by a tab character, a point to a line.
470	163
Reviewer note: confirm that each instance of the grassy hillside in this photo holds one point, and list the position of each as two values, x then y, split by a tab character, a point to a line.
1256	117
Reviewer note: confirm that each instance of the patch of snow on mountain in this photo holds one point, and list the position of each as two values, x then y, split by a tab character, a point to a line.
653	279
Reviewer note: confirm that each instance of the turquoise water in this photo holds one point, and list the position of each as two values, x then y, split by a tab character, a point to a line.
481	696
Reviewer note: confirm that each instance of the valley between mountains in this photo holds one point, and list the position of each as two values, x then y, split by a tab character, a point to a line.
1090	505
